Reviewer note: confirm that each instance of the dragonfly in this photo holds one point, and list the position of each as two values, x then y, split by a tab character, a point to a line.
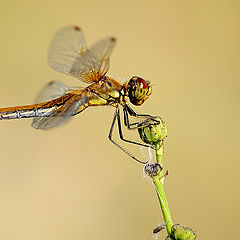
57	103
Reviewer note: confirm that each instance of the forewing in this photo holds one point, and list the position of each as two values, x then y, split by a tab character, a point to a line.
68	54
67	44
60	115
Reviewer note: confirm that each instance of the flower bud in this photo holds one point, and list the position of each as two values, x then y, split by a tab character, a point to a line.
153	132
180	232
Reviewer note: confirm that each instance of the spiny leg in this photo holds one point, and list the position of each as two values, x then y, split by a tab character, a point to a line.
148	119
121	133
116	144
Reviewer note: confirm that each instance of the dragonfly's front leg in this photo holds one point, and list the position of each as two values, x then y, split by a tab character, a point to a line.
147	119
121	133
117	117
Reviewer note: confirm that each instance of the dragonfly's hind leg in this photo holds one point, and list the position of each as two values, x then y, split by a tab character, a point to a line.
117	117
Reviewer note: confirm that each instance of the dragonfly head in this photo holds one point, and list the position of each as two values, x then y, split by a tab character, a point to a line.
138	90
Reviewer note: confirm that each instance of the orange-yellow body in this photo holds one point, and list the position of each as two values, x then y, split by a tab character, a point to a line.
104	92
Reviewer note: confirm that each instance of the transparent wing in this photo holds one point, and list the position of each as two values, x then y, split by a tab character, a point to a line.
53	89
68	54
67	45
60	115
86	68
102	50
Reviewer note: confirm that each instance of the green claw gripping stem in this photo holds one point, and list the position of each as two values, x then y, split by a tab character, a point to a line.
155	134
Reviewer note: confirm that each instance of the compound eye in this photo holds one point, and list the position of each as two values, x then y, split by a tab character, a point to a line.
142	83
138	90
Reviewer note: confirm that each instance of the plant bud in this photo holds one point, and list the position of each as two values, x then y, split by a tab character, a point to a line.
153	132
180	232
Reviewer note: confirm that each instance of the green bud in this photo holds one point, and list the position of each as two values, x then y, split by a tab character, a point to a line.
153	132
180	232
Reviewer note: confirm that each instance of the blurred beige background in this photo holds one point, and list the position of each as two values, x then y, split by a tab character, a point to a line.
72	183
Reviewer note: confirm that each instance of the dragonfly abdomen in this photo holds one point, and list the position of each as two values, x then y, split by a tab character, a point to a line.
35	110
27	111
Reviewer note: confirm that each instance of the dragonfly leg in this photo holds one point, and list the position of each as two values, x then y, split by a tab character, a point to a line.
116	144
121	133
148	119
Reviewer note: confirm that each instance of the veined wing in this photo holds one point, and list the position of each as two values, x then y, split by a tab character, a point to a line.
62	112
53	89
68	54
59	115
102	50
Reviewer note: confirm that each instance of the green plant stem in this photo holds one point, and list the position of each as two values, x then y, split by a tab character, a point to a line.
155	135
158	182
159	151
163	203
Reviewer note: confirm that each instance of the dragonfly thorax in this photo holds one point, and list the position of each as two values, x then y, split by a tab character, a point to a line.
138	90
